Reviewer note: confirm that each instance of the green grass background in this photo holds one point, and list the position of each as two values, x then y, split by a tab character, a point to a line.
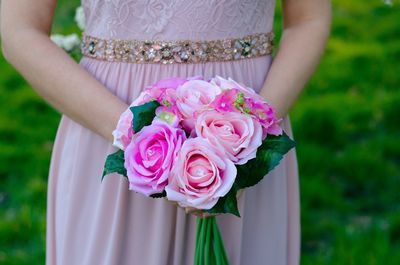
346	124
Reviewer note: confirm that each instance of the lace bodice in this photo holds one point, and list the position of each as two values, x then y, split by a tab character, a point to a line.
177	19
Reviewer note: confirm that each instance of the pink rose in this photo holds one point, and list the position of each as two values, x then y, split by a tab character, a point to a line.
238	134
123	132
150	155
193	97
200	176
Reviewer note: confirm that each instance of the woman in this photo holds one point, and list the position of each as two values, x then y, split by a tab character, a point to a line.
89	222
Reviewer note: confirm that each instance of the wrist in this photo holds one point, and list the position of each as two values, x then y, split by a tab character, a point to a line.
115	117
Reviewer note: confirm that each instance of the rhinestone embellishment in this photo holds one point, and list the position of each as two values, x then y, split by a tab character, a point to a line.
178	51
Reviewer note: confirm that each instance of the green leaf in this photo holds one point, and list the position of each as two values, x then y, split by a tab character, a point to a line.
143	114
159	195
115	163
227	204
269	154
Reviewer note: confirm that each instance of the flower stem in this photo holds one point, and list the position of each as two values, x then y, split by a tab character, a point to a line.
220	245
198	237
209	245
201	243
209	235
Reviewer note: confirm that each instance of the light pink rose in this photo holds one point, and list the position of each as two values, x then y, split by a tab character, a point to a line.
143	97
150	156
193	97
200	176
229	83
123	132
238	134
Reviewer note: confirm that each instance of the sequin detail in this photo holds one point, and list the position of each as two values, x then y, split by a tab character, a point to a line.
177	51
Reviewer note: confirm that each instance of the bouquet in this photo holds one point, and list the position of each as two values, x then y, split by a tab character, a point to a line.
197	142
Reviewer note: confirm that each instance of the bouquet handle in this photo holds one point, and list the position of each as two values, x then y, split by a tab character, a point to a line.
210	248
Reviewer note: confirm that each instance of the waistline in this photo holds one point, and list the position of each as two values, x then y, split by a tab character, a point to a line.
177	51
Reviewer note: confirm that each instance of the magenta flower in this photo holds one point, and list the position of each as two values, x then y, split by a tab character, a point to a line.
265	114
225	101
150	156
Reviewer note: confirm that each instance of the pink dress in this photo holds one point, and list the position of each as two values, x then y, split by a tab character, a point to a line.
90	222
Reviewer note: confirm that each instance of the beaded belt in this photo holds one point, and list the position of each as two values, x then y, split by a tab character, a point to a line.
178	51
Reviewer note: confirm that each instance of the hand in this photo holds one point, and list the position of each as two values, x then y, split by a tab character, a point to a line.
202	213
197	212
239	194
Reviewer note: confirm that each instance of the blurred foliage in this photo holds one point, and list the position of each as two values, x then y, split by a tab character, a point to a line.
346	124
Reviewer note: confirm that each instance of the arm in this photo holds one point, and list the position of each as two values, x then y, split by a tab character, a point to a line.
25	30
306	29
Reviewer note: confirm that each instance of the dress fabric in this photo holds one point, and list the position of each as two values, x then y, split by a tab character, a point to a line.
90	222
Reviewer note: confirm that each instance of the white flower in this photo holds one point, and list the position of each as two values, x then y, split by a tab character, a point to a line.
388	2
80	17
58	39
71	41
68	42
